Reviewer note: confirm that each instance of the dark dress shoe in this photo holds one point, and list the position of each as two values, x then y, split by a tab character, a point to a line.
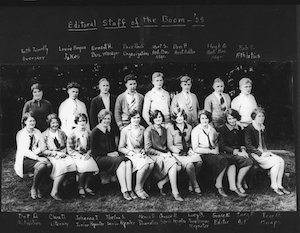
222	192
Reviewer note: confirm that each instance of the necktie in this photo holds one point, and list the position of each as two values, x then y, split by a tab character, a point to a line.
261	141
56	142
183	141
132	103
75	112
209	143
222	101
189	102
31	142
38	103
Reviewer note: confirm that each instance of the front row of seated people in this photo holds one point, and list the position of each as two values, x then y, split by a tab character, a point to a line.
158	149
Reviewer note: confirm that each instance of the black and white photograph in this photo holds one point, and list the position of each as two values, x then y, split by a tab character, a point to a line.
156	118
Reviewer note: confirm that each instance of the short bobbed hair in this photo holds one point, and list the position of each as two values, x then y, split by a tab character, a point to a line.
206	113
134	113
79	116
25	117
102	114
154	115
232	112
73	85
157	75
37	86
176	112
130	77
256	111
244	81
52	116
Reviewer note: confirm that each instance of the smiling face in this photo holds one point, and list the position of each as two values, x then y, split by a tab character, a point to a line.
135	120
104	87
37	94
131	86
179	119
218	87
54	125
186	86
158	120
204	121
246	88
260	118
106	121
231	120
73	93
30	123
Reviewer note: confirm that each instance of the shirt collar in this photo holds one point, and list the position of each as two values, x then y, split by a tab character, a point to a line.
218	94
103	129
104	95
231	127
257	127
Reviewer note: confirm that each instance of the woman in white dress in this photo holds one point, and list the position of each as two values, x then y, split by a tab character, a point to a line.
132	146
53	146
78	146
255	134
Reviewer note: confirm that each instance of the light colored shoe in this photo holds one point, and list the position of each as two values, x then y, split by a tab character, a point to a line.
140	194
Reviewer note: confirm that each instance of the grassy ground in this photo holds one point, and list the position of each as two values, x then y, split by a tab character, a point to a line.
15	197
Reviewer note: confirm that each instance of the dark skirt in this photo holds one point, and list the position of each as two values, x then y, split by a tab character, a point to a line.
237	160
109	164
28	165
216	162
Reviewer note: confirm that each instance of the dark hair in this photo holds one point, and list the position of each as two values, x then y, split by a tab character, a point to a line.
184	78
36	86
154	115
206	113
102	114
25	117
73	85
176	112
80	115
256	111
130	77
52	116
232	112
134	113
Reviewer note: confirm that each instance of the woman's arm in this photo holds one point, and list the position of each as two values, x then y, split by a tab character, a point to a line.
148	144
249	143
71	144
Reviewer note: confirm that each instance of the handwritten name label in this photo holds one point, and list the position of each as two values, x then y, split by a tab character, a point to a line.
242	218
82	25
183	49
72	52
216	51
146	219
270	219
103	50
198	221
58	220
245	51
34	53
221	218
160	51
31	219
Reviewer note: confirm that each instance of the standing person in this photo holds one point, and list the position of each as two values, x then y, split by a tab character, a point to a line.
39	107
255	137
54	147
104	100
128	101
105	153
245	102
217	103
132	146
232	146
28	156
157	99
71	107
179	143
187	101
166	166
204	142
78	146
